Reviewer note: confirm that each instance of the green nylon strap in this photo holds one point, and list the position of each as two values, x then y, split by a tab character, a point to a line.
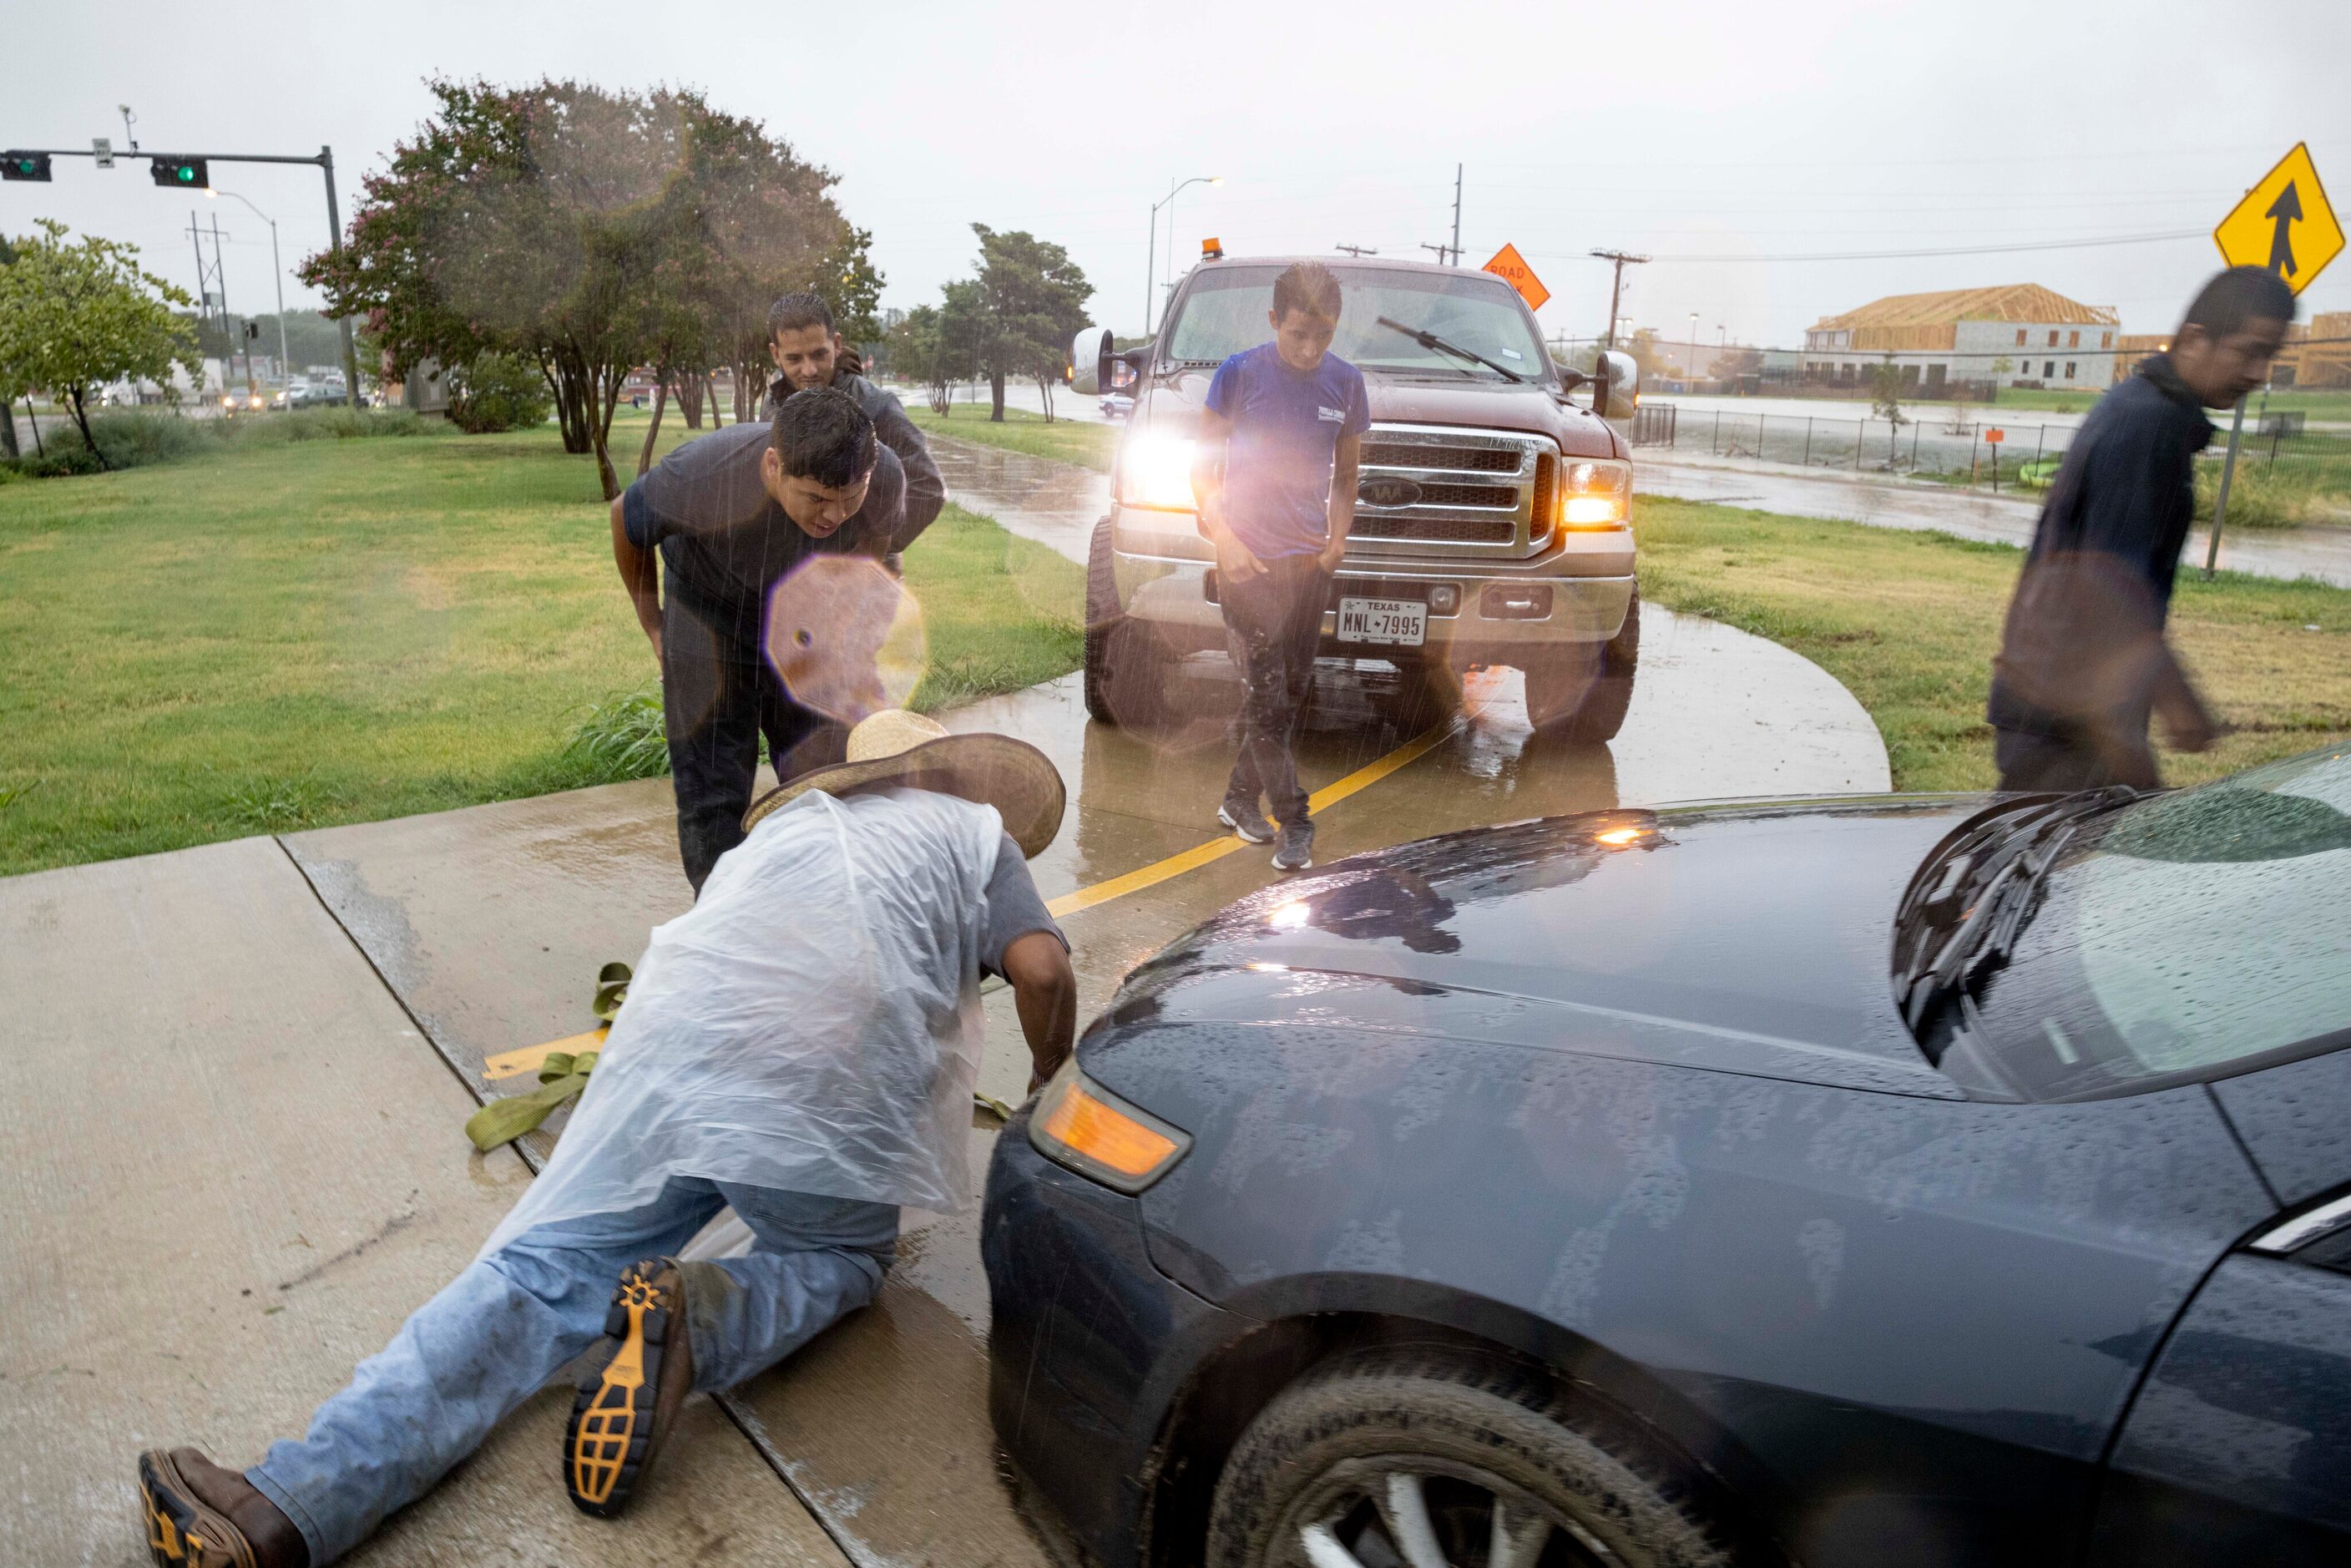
560	1079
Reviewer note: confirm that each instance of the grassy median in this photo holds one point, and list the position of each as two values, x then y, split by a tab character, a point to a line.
340	631
1909	623
1082	441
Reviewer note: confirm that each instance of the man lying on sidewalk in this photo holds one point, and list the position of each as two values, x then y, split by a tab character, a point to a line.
802	1045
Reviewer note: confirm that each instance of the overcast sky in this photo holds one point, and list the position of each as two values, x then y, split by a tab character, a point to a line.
1736	130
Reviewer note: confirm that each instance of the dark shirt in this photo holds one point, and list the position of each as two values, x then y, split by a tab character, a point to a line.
1286	430
926	491
1015	907
2082	643
724	541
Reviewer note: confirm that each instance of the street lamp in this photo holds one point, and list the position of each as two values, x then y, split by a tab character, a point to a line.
1151	254
277	271
1693	358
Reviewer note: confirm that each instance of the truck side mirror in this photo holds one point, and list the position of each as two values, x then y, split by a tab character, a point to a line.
1090	362
1616	385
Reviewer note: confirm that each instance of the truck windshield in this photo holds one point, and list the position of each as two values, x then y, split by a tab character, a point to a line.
2187	935
1225	310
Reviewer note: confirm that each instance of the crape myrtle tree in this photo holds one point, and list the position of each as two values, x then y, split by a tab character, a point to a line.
74	318
590	231
1034	301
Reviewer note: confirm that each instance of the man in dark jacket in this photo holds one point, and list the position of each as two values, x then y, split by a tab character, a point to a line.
724	519
807	350
2082	662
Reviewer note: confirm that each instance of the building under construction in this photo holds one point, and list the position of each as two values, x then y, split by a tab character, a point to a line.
2016	335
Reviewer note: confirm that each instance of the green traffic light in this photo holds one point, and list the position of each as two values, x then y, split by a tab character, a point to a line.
187	175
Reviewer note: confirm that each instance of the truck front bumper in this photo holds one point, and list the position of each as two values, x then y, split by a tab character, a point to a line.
1575	591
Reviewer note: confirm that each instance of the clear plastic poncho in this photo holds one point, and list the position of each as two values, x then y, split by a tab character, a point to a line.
812	1024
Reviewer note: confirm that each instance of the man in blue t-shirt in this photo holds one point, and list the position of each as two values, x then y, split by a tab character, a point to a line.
1275	480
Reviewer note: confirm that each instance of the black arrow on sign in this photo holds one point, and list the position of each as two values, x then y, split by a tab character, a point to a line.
2287	211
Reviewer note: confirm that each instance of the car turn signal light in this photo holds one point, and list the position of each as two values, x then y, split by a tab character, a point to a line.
1594	495
1081	1124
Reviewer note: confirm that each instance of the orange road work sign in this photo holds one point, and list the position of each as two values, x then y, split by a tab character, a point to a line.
2284	225
1509	264
1995	436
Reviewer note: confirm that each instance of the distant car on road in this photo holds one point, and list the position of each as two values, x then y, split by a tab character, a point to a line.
1909	1180
1116	405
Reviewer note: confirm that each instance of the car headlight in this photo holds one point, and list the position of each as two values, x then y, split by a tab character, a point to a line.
1155	470
1594	495
1081	1124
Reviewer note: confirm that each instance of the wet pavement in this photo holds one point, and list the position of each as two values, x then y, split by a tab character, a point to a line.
254	1061
2324	553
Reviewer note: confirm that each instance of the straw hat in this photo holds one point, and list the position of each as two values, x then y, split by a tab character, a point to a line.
894	746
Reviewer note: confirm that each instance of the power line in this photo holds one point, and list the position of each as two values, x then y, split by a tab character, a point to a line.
2162	235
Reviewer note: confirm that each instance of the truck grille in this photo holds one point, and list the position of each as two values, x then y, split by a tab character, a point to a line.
1474	493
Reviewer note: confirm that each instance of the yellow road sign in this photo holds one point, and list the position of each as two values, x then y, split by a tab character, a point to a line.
2285	223
1509	264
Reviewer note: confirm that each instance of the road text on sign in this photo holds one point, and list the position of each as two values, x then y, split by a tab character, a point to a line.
2285	223
1509	264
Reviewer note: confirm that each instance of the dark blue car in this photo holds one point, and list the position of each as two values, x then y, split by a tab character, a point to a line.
1903	1180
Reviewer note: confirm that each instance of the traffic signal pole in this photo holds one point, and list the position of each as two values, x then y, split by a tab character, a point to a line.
324	161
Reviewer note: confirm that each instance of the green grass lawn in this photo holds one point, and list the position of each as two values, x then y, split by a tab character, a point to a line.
1082	441
343	630
1908	621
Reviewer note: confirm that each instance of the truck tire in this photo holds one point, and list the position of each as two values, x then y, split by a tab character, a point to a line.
1432	1445
1581	695
1127	666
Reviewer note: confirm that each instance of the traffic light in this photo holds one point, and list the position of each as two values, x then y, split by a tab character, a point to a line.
184	173
23	165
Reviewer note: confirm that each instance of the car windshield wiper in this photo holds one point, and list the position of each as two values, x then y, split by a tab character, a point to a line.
1427	339
1964	910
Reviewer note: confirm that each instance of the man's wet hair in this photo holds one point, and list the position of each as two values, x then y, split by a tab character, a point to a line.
2237	296
822	435
1307	285
794	311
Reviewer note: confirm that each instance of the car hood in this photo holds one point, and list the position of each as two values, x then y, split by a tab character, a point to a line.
1177	398
1749	937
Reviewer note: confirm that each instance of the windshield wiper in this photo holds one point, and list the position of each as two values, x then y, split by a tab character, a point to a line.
1964	910
1427	339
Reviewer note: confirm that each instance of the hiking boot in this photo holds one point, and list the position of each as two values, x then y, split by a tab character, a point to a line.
629	1400
1244	818
1296	850
198	1514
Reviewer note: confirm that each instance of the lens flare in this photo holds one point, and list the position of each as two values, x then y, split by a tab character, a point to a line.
846	637
1291	915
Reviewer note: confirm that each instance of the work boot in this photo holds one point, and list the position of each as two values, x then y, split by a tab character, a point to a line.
1296	850
629	1400
1244	818
198	1514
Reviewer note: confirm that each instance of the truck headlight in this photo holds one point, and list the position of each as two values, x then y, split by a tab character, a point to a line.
1594	495
1081	1124
1154	471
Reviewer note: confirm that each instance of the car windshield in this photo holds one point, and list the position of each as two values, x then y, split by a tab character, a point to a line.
1225	310
2188	935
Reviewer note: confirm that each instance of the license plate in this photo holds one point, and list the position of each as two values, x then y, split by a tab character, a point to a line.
1396	622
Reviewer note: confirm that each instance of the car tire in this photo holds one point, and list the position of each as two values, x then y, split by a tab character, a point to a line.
1583	696
1330	1472
1127	668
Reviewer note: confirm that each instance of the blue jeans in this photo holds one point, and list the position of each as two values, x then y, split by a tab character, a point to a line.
494	1335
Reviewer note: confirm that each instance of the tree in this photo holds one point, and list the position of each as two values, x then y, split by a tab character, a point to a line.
1885	391
967	334
1035	301
2000	367
76	317
917	350
591	230
1646	354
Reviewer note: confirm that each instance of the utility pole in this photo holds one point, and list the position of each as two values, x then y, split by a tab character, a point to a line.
213	294
1617	289
1457	215
1358	249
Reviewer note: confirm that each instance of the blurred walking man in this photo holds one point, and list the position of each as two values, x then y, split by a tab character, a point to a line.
1275	480
2083	661
728	515
807	350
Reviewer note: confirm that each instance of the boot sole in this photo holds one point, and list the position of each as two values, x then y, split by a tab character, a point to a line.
610	1440
181	1531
